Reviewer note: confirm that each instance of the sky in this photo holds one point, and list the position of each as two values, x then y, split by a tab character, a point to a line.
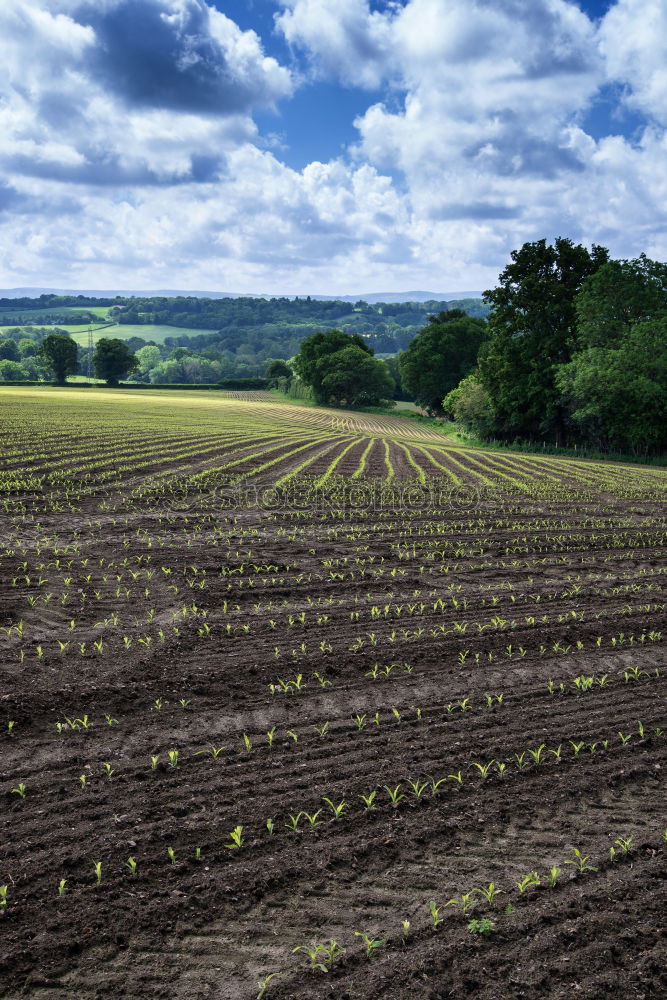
300	147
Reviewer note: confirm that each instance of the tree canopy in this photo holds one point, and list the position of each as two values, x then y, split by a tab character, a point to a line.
61	354
113	360
441	354
340	368
533	328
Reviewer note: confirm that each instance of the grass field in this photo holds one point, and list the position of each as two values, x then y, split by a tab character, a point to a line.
290	696
121	330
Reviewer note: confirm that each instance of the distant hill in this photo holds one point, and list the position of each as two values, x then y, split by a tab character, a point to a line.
371	297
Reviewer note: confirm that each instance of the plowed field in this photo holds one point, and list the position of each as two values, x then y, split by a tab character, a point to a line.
277	677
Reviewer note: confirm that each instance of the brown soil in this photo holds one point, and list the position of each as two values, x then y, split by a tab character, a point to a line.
214	927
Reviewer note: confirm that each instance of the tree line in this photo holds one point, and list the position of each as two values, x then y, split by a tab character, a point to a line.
574	352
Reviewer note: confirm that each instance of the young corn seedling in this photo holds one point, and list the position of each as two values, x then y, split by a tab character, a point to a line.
270	735
360	722
625	844
337	810
532	878
521	761
172	855
580	862
131	865
369	800
434	910
20	790
264	984
198	855
236	836
456	777
483	768
4	889
489	893
293	822
82	779
211	751
270	826
173	756
435	784
62	887
321	956
247	744
417	789
322	730
538	755
10	727
466	901
370	944
394	795
406	929
108	769
501	767
109	719
313	818
577	746
293	736
154	761
552	877
97	867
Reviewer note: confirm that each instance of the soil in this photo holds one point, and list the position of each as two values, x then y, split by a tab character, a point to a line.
479	598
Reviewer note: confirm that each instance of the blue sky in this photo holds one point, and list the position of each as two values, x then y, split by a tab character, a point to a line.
305	146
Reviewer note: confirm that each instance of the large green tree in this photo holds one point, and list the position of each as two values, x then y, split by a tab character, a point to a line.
113	360
533	330
617	396
619	295
353	377
441	354
314	361
61	354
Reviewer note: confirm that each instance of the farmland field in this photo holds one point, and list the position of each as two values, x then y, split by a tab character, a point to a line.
274	677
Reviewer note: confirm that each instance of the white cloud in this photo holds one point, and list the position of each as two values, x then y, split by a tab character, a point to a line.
633	40
129	155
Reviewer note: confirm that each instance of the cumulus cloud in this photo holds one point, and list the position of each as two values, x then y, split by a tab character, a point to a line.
129	154
633	40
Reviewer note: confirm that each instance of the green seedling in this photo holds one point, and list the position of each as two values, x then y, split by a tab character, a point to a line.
434	910
369	800
577	746
97	867
417	789
82	779
313	819
406	929
625	844
20	790
236	836
10	727
292	735
264	984
360	722
109	719
247	744
489	893
370	944
173	756
198	855
172	855
322	956
270	735
394	794
532	878
501	767
62	887
484	927
108	769
580	862
483	768
456	777
435	784
158	705
466	901
154	761
337	810
538	755
521	761
184	702
4	889
322	730
211	750
131	865
293	822
552	877
270	826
